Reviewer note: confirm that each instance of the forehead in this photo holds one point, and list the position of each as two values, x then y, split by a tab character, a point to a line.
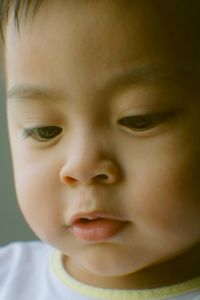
172	11
172	19
75	38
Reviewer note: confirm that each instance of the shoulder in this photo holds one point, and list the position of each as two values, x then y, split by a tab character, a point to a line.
23	256
21	250
21	247
26	271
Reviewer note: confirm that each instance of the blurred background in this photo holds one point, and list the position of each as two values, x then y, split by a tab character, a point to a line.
12	225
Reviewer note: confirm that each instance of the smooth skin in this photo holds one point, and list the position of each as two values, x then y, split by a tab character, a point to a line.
91	71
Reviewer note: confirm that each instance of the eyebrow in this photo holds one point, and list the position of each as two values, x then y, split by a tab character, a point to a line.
118	79
132	75
149	73
29	91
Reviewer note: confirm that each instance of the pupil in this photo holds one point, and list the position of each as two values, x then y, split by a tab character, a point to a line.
49	132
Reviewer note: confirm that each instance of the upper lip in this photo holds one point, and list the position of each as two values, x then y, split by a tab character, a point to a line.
92	216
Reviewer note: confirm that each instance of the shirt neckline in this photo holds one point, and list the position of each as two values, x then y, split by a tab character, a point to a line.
119	294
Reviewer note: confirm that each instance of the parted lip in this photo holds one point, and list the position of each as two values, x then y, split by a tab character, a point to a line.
96	226
89	216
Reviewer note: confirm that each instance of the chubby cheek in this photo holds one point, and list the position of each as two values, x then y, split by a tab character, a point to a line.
38	198
164	191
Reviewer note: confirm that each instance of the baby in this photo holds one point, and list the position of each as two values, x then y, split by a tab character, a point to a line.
103	104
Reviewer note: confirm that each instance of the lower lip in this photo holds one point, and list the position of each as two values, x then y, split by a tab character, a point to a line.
96	230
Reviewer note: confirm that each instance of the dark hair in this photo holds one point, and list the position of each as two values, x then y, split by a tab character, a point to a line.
16	6
181	9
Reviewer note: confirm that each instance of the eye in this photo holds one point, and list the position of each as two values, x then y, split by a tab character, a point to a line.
42	134
143	122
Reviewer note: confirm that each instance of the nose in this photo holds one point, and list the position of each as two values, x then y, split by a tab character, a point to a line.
85	164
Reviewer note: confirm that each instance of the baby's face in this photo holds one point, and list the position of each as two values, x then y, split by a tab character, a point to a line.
103	112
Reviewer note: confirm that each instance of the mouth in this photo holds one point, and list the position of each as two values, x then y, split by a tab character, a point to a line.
95	226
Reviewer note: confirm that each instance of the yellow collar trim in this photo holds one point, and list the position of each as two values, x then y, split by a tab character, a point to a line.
119	294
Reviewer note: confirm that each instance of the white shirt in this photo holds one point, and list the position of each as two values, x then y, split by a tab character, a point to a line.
33	270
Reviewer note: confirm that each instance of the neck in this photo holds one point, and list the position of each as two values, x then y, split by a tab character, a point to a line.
177	270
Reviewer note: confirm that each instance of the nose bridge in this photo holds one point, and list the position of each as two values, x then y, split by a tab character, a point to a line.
86	146
87	158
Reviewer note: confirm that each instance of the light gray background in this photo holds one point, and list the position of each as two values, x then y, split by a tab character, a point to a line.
12	224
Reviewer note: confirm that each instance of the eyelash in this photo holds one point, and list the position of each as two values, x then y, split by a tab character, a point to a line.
144	122
137	123
42	134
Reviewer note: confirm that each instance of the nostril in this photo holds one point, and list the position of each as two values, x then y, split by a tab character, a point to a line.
70	179
105	173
